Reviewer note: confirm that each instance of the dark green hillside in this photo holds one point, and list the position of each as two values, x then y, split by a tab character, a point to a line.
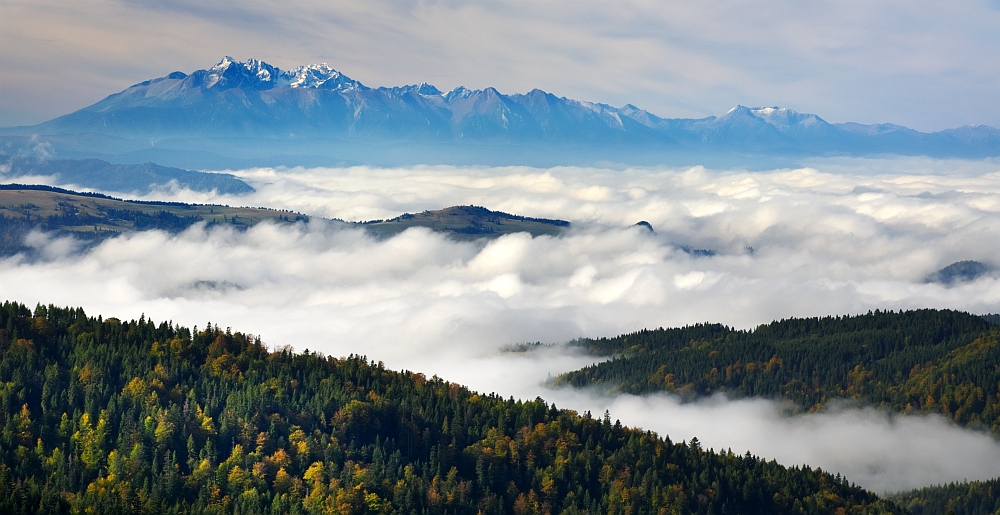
914	361
92	217
105	416
467	223
971	498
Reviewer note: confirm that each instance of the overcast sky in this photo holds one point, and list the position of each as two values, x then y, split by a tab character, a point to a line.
927	65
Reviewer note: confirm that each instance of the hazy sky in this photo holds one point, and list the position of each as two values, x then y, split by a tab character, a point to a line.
927	65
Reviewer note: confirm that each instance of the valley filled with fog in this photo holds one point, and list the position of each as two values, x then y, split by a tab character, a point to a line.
729	246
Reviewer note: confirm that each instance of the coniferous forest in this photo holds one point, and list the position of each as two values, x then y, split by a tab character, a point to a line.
107	416
923	361
967	498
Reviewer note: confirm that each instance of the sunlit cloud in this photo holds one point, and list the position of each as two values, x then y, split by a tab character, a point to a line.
880	451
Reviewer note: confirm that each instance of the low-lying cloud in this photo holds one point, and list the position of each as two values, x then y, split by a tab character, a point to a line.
840	237
870	447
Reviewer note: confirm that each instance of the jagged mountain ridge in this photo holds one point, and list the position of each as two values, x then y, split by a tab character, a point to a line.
252	99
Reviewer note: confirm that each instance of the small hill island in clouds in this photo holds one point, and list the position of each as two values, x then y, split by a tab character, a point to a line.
91	218
249	112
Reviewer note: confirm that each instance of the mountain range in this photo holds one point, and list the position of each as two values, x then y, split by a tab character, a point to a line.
254	111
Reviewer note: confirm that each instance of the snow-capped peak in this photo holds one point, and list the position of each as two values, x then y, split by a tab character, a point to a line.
216	72
427	89
257	74
763	112
250	73
781	118
459	93
226	62
320	76
263	71
784	117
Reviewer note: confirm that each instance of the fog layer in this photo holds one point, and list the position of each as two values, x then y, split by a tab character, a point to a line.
841	237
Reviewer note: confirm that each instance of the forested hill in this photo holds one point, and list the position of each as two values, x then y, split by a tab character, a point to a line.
967	498
935	361
467	223
92	218
105	416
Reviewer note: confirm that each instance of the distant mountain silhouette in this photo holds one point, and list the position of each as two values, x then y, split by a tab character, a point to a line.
251	108
960	272
105	176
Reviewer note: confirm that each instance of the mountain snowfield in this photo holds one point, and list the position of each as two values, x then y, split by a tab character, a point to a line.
259	75
251	108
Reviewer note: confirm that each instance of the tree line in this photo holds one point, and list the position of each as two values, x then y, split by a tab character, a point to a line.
966	498
87	228
921	361
108	416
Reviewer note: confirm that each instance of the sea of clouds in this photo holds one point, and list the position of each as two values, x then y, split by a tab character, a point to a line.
837	237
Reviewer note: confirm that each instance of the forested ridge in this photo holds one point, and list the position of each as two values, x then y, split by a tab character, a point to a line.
91	218
967	498
935	361
105	416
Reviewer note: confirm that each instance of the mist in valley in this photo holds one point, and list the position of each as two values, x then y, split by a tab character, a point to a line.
736	247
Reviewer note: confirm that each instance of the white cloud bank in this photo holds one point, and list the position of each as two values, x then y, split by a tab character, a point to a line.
841	237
